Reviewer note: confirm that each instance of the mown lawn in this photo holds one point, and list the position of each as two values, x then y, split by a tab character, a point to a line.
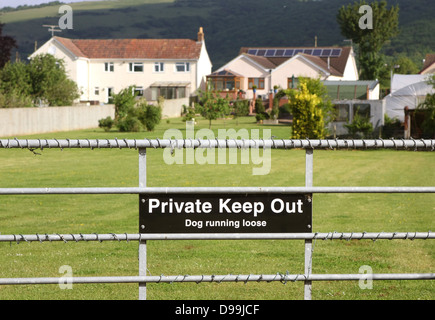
119	214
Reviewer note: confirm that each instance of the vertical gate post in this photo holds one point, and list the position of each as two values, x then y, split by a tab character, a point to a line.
308	242
142	243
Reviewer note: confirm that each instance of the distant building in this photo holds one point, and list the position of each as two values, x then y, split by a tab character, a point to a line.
353	90
429	64
172	68
407	90
271	67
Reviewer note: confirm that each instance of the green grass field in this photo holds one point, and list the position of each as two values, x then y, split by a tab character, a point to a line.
27	214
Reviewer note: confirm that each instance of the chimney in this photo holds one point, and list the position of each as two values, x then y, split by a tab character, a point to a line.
200	35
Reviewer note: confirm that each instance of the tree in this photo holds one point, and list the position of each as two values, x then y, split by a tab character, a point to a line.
369	38
49	81
15	88
405	65
132	115
308	112
212	106
6	45
43	80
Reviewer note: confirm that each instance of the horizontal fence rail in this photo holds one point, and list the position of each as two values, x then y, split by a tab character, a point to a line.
219	236
221	278
204	190
422	144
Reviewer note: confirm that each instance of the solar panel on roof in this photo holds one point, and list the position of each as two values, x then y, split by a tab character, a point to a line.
279	53
252	51
336	53
261	52
270	53
308	51
289	53
326	52
299	51
317	52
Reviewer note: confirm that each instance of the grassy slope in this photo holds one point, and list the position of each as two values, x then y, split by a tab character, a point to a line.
119	214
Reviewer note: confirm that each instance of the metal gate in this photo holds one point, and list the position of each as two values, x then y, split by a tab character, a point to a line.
142	145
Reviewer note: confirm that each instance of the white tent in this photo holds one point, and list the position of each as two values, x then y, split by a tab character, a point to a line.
407	90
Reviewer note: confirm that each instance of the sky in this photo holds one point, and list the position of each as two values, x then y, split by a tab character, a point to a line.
16	3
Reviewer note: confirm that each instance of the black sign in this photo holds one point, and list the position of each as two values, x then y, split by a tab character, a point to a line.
232	213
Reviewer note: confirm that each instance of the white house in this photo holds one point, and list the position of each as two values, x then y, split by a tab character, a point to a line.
172	68
269	67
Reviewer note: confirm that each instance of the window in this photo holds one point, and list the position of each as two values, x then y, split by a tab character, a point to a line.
182	67
135	67
259	82
138	91
168	93
342	112
109	67
159	67
292	83
224	83
97	91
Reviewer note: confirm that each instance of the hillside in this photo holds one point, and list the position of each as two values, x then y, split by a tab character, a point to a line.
228	24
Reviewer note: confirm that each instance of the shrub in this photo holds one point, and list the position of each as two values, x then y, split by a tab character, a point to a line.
259	106
149	115
190	114
129	124
241	108
360	127
106	123
392	128
308	116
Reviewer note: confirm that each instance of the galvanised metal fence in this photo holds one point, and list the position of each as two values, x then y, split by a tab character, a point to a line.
142	145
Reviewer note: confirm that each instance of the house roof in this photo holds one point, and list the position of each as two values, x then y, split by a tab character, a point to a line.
224	73
428	61
133	48
371	84
336	64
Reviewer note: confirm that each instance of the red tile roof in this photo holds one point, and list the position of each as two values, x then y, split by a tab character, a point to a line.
133	48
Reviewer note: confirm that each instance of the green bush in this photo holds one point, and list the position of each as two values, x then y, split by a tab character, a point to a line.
129	124
360	127
149	115
392	128
241	108
106	123
190	113
259	106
